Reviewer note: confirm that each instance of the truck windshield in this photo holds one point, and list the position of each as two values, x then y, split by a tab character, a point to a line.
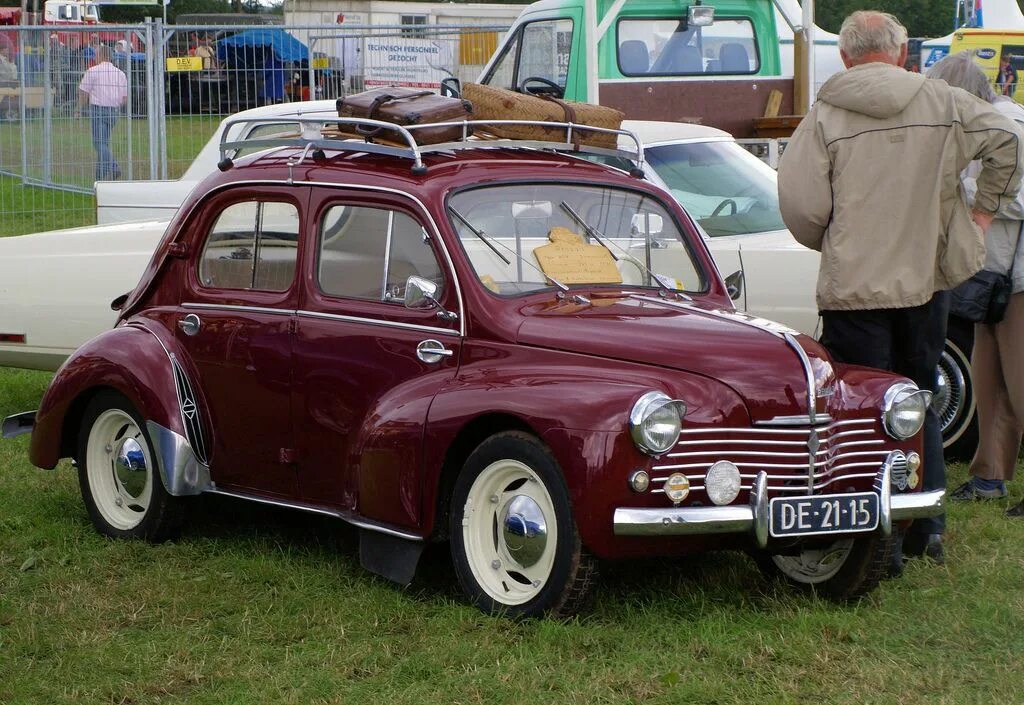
522	238
721	185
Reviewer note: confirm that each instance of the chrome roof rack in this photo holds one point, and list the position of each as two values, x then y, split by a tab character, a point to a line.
313	139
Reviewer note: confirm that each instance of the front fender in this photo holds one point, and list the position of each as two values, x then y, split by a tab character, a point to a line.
129	359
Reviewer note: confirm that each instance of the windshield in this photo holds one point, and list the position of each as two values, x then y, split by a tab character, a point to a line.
721	185
527	237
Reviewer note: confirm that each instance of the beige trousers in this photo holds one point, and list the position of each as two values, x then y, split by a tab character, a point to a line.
997	364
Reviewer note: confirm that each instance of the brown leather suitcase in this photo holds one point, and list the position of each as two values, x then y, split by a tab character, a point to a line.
406	107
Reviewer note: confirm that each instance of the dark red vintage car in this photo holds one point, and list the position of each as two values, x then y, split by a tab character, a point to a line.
497	344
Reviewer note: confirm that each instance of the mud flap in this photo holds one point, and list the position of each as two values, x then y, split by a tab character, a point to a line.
388	556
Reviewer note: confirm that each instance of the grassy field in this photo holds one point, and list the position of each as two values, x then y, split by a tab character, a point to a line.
28	209
260	606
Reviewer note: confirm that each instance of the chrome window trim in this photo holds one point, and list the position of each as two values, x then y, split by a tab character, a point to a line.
377	322
358	187
235	307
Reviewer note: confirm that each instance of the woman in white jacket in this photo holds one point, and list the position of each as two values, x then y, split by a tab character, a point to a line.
998	358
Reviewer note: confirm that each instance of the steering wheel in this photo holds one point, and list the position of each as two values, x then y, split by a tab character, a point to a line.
721	206
549	87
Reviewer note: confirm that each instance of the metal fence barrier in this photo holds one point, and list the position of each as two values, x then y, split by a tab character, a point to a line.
180	82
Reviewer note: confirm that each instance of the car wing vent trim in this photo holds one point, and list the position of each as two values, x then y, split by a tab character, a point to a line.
191	417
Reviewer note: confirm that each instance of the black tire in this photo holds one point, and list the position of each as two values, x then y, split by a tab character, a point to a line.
958	415
864	566
563	573
151	514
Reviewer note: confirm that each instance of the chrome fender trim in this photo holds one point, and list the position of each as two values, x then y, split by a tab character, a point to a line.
180	470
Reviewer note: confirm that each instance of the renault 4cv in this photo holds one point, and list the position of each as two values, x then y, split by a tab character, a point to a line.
498	344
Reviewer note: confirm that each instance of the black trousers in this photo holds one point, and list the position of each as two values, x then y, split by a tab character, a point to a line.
907	341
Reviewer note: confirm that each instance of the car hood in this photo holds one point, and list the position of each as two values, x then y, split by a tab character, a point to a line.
748	354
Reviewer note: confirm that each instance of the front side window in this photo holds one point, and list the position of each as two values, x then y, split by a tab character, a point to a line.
546	48
669	47
370	253
252	245
721	185
520	238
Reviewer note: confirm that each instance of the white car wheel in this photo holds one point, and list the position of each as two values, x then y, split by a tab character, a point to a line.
815	565
843	570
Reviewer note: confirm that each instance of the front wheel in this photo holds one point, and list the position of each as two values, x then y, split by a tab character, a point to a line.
843	570
119	473
514	542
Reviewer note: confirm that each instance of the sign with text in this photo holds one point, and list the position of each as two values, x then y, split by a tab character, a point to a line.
185	63
407	61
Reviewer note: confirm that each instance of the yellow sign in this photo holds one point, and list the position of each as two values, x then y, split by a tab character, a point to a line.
571	261
322	62
185	63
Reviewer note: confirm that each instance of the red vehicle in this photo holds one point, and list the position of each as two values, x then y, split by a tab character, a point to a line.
519	351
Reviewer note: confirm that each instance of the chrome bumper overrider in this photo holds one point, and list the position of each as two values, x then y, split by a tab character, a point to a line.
753	518
18	424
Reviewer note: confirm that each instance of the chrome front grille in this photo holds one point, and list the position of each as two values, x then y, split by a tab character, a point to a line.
842	450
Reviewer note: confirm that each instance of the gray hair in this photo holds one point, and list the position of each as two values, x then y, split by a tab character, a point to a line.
961	71
869	32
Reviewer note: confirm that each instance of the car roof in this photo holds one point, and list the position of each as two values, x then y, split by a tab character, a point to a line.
654	132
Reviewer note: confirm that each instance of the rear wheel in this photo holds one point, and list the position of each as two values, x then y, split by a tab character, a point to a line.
119	473
842	570
514	542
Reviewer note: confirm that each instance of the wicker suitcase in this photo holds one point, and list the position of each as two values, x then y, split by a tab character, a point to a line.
491	103
406	107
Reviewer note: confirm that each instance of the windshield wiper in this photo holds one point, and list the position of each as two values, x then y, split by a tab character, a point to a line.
491	244
591	230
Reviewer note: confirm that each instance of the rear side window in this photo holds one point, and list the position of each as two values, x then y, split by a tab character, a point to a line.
252	245
370	253
669	47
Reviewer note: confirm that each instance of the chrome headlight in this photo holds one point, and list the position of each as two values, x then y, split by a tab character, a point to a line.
655	422
903	409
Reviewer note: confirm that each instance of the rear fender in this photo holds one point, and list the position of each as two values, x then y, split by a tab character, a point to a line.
142	365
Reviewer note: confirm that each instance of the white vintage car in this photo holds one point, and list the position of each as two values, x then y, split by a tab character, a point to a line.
730	193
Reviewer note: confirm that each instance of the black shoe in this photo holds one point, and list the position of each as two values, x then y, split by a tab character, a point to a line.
925	545
1016	510
969	491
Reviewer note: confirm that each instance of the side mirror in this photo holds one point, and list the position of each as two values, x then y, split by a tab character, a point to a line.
419	293
451	87
734	284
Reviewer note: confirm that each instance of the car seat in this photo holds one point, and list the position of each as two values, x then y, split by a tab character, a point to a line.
734	58
634	58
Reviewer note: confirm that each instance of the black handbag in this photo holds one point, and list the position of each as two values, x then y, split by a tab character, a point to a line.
984	297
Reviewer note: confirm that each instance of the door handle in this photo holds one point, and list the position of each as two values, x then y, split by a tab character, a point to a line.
432	351
190	324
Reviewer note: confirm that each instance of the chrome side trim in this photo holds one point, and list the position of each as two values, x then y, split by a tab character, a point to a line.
244	309
344	516
378	322
180	470
18	424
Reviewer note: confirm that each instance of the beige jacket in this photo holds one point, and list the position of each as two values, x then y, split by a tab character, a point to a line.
871	178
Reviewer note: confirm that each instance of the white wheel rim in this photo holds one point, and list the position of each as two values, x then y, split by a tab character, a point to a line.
121	488
512	566
815	565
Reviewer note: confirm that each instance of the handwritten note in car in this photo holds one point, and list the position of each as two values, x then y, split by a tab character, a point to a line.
571	261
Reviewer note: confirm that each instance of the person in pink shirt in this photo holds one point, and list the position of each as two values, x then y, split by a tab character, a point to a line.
103	90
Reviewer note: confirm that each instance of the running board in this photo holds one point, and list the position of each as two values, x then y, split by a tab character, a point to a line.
390	553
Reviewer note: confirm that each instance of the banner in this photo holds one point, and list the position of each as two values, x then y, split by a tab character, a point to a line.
406	61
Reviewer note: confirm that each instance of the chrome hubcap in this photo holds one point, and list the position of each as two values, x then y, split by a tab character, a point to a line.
950	389
130	467
525	530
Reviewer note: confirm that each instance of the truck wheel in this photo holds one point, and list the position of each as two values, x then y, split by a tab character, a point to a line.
843	571
119	474
513	539
954	398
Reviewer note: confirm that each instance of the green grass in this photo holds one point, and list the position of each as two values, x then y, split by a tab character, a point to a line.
29	209
258	606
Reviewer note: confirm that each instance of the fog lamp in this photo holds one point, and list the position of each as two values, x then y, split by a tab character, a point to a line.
700	15
722	482
677	487
639	481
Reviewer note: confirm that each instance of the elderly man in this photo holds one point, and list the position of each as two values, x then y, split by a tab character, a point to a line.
871	179
103	90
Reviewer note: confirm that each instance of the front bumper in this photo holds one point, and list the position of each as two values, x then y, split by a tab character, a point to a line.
753	518
18	424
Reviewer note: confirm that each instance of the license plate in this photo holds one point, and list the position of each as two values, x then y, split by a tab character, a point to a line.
823	514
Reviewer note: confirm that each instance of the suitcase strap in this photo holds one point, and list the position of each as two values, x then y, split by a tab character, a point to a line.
570	116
